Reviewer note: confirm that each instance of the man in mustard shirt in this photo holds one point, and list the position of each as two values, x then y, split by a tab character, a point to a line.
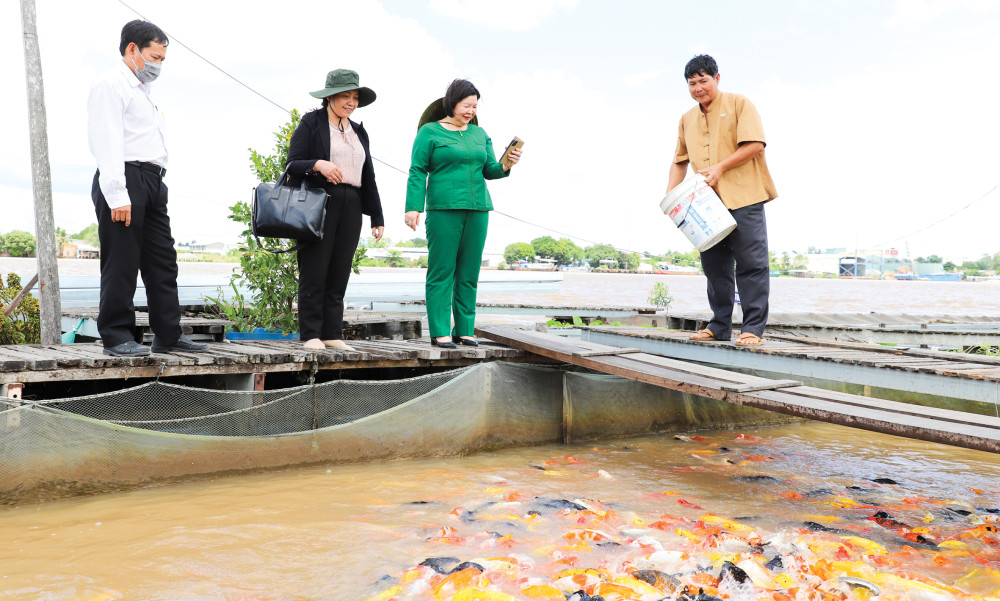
723	139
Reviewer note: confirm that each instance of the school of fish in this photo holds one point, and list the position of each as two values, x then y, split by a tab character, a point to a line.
870	540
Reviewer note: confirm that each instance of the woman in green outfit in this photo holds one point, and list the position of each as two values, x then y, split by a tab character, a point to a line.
452	159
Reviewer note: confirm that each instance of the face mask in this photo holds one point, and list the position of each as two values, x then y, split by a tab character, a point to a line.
149	71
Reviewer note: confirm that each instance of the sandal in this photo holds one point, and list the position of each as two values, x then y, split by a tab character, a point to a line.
748	339
705	334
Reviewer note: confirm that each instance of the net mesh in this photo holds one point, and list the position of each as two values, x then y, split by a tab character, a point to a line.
157	432
602	406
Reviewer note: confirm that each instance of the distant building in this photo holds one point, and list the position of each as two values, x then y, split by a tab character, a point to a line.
78	249
215	248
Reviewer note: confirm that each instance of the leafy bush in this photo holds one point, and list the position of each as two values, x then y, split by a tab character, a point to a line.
659	296
23	325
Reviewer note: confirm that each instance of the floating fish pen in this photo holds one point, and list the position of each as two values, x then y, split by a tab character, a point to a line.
159	432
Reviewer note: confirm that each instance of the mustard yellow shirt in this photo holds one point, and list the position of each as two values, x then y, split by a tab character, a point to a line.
705	139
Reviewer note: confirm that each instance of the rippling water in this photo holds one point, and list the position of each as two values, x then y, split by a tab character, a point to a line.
353	531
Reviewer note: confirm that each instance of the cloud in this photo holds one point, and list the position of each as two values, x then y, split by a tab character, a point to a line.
515	15
914	14
635	80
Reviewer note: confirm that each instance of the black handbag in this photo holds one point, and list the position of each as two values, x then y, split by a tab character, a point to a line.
280	211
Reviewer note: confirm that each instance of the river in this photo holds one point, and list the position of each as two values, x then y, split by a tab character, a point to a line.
916	520
788	295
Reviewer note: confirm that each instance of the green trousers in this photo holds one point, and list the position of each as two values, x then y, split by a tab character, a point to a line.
455	241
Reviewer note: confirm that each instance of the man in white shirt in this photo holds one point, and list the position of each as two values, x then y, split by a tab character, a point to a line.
125	129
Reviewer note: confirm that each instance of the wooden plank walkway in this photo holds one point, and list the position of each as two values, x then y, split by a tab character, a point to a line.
357	324
870	328
28	363
924	371
890	417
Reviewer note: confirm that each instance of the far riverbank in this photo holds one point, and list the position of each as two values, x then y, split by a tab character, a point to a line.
688	291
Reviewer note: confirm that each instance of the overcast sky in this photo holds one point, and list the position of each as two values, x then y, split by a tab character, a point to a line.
880	117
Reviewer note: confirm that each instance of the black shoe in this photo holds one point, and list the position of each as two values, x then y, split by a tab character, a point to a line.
183	345
464	341
127	349
434	342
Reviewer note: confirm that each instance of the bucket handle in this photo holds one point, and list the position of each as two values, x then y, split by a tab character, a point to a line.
680	224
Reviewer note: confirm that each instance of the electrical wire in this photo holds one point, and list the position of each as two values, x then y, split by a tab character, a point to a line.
248	87
939	221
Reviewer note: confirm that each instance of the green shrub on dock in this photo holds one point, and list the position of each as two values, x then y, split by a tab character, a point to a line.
272	280
23	325
659	296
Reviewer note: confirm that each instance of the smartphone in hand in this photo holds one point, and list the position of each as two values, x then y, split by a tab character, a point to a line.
505	158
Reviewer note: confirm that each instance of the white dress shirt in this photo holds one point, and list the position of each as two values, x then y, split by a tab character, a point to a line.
123	124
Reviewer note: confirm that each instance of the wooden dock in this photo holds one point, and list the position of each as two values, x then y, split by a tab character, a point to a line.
916	330
29	363
915	370
784	396
358	325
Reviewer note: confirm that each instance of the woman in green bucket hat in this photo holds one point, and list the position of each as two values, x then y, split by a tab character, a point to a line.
452	159
331	151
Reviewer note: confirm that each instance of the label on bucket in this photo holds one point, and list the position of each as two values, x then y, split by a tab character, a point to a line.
698	212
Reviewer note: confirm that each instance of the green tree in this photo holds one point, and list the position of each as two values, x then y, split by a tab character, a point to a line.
396	258
598	252
61	238
385	242
517	251
17	243
563	251
567	252
628	260
89	235
271	279
412	243
545	247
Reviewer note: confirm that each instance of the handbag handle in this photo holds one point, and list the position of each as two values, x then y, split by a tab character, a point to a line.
274	195
303	189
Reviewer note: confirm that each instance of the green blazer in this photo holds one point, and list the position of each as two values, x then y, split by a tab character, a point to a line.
449	169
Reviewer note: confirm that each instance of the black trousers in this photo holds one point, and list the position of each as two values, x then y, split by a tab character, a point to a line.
746	247
325	267
145	246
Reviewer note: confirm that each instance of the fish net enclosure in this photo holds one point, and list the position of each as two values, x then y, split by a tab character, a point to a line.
160	432
640	408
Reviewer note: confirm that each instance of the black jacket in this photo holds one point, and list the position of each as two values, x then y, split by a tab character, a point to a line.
311	142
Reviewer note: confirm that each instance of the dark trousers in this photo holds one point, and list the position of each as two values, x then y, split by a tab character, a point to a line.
146	247
746	247
325	267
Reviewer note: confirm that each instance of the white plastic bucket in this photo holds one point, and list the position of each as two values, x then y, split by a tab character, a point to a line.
698	212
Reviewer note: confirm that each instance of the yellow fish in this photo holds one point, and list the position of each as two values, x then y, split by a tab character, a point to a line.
543	592
912	585
730	525
822	519
638	585
473	594
864	543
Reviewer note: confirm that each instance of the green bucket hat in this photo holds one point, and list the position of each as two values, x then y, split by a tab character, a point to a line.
435	112
345	80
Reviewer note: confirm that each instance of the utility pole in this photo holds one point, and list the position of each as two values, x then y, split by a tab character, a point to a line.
41	182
